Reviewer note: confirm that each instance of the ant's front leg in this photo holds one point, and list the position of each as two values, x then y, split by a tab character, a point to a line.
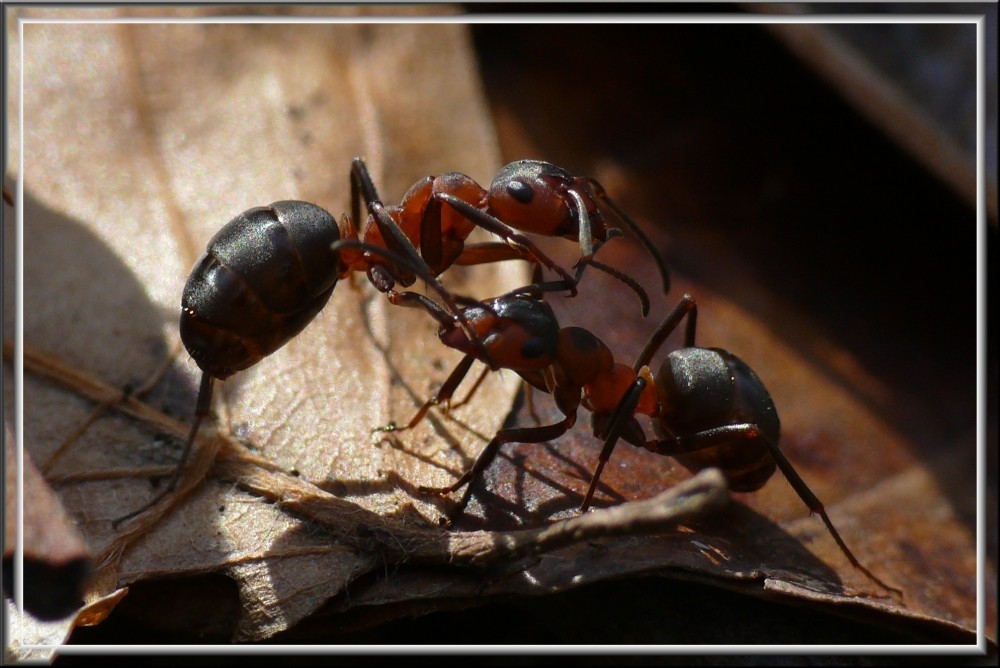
618	425
496	226
362	187
443	394
396	241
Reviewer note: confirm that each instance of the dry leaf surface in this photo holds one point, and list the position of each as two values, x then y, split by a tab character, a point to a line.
182	143
141	140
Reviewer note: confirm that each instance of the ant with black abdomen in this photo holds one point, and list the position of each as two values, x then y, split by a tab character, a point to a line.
264	276
709	408
438	213
268	272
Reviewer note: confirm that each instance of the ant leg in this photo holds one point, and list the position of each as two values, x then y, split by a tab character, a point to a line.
444	393
396	240
644	239
362	186
487	252
619	419
497	227
497	251
815	506
416	300
725	434
626	407
431	247
686	307
423	273
430	233
401	259
536	279
489	453
452	405
202	409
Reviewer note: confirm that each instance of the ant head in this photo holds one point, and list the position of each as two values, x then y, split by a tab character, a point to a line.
517	332
531	195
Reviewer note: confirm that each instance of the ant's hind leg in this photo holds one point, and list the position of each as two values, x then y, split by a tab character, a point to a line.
489	453
202	409
724	435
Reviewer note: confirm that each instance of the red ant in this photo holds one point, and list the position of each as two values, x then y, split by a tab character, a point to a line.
269	271
264	276
438	213
709	408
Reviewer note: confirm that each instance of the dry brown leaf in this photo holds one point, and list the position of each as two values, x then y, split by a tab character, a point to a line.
195	119
784	220
141	141
168	135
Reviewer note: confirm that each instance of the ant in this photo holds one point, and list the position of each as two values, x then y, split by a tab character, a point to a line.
264	276
527	195
709	408
268	272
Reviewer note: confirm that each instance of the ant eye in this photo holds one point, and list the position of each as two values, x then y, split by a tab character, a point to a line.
520	191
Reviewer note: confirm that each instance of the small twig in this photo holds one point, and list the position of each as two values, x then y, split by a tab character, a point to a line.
705	492
398	541
93	388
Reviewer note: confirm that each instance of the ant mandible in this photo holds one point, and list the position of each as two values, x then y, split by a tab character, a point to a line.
709	407
438	213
